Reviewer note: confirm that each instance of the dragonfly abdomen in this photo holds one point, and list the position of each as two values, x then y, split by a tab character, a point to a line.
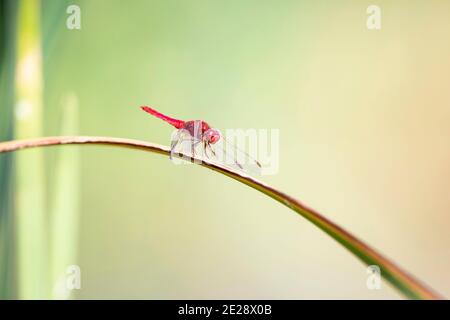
174	122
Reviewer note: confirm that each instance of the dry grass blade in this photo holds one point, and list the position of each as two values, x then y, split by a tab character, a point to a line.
402	281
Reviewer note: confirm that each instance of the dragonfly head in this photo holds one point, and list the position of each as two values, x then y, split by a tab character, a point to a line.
212	136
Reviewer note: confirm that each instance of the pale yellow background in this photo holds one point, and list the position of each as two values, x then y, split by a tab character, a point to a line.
364	139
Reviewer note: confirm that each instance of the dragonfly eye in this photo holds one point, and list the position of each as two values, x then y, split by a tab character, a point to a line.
212	136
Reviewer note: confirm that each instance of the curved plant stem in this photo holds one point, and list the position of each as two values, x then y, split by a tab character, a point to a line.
401	280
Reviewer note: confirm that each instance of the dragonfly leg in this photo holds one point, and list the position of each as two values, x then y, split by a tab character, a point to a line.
207	147
172	147
194	144
204	149
175	142
211	149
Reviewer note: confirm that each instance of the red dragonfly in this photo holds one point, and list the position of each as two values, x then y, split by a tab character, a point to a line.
200	132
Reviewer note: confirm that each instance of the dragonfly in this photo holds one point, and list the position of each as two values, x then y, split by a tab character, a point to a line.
199	132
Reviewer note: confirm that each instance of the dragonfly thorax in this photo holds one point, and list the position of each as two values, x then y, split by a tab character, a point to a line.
201	130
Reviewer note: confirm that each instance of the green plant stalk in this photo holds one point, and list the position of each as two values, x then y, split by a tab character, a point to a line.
64	210
31	219
406	284
7	45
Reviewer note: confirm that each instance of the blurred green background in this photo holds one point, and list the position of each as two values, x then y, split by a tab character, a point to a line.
364	138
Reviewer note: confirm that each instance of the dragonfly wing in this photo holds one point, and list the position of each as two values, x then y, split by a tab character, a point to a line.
229	154
223	152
